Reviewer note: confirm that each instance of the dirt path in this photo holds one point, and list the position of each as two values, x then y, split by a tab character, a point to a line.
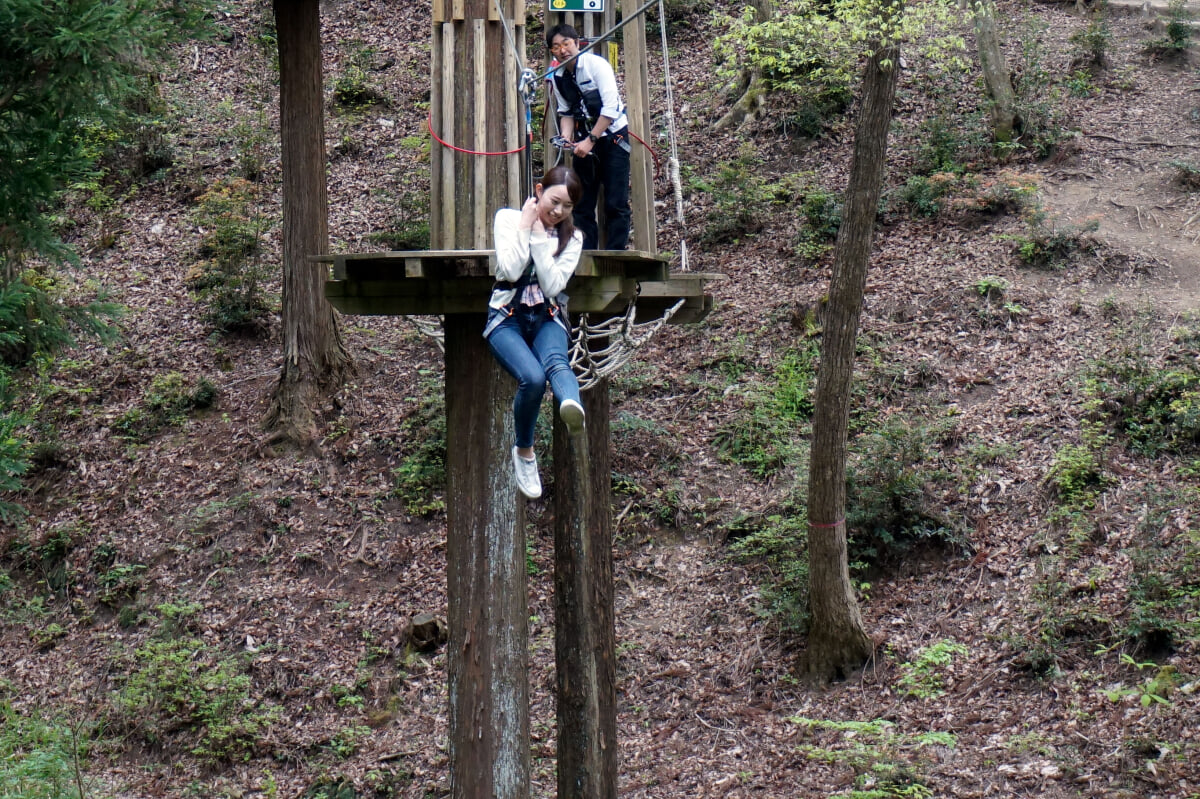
1123	175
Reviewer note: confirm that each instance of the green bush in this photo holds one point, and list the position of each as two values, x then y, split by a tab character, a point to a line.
37	319
1043	118
1050	245
173	685
1178	33
927	196
40	758
1093	43
741	198
420	478
895	477
763	435
1154	403
229	273
168	401
780	541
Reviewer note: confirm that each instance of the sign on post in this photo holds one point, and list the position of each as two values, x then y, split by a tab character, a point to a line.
575	5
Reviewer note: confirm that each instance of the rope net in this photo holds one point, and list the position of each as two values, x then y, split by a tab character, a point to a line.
615	340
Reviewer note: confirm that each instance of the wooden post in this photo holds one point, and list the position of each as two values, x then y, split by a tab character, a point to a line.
472	107
584	634
485	567
641	165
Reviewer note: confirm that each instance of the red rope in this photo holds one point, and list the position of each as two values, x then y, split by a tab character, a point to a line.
444	143
826	526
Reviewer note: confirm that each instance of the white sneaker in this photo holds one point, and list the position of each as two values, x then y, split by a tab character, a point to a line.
527	475
571	412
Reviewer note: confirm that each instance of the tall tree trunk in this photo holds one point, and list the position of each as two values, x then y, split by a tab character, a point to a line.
837	642
314	358
996	80
750	88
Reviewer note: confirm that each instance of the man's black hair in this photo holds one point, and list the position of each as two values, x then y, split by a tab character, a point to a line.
564	30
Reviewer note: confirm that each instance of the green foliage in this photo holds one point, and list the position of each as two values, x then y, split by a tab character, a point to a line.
1080	83
1093	44
409	229
229	273
821	211
36	318
1164	590
779	541
170	685
168	401
68	64
991	287
892	482
741	197
1187	174
421	476
352	87
921	678
927	196
1178	33
14	450
947	141
886	763
762	435
1152	400
40	758
1050	245
1044	120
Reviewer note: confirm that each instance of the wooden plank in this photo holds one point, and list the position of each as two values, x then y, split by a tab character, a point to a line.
439	11
514	117
436	163
447	196
479	164
460	10
406	297
641	167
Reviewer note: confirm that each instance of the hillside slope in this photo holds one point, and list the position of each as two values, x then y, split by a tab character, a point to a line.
1035	590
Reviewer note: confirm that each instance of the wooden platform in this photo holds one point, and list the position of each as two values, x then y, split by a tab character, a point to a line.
438	282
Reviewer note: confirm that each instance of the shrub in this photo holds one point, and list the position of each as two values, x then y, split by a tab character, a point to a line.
181	684
168	401
927	196
1187	175
40	758
1178	33
762	435
741	197
892	491
1050	245
420	478
1093	43
780	541
229	273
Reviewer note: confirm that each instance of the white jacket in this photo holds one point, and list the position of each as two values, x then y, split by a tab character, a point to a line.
515	247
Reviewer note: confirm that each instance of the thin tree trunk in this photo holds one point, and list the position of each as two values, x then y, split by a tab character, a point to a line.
314	359
837	642
996	79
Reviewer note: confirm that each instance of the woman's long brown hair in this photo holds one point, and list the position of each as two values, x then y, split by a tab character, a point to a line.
564	176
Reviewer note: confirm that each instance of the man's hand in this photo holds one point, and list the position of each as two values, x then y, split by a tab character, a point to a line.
583	148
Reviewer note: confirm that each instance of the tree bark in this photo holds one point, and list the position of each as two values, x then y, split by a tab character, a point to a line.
487	662
837	642
996	80
584	633
750	86
314	358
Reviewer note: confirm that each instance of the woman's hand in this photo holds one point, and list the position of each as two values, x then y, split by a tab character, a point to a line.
529	215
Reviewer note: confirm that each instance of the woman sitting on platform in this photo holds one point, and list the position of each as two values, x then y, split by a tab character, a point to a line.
537	251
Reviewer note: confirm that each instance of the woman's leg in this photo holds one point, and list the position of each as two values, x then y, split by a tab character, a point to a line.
511	351
550	347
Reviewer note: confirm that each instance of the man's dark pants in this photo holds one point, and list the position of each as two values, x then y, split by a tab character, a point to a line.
607	166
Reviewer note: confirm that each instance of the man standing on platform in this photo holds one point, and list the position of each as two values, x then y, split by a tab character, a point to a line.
590	110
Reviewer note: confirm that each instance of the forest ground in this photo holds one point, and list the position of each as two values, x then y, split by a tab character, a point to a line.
1021	658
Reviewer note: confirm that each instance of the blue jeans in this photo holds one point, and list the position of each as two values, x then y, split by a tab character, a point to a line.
532	347
607	166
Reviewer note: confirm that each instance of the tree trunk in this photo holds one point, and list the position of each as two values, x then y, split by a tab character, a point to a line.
314	358
584	634
996	80
749	86
837	642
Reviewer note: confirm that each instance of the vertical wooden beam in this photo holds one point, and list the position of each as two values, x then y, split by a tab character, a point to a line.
641	167
479	163
487	660
585	645
445	187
